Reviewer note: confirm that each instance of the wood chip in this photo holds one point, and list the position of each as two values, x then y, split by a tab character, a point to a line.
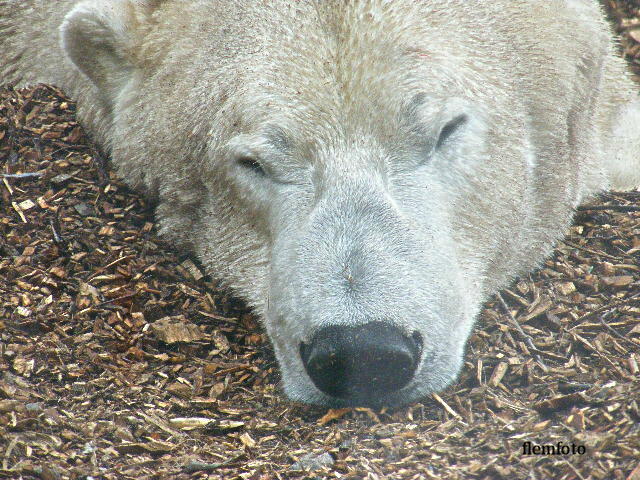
26	205
498	374
333	414
190	423
176	329
618	281
154	447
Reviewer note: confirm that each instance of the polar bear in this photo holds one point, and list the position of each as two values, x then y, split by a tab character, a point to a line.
363	173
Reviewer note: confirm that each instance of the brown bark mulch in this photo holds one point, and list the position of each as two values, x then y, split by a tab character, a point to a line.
120	359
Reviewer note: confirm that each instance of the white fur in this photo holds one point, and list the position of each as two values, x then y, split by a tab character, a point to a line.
623	157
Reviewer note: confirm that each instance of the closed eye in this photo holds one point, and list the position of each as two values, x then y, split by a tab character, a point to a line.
450	128
251	164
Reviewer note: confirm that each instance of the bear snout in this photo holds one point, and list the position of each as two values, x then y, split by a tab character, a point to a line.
356	364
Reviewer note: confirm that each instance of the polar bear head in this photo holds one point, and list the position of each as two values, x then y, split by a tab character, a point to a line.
363	174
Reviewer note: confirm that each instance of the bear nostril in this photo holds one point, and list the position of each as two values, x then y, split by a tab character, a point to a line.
417	340
354	363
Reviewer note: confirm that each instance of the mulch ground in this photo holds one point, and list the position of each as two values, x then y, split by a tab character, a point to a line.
121	359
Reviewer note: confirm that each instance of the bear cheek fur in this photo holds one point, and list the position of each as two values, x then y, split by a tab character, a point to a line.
181	166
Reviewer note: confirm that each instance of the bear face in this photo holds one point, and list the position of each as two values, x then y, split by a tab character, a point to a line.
360	180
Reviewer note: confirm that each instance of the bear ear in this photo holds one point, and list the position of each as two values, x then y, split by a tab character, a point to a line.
98	36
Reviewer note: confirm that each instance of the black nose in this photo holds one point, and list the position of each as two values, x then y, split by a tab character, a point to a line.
355	363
